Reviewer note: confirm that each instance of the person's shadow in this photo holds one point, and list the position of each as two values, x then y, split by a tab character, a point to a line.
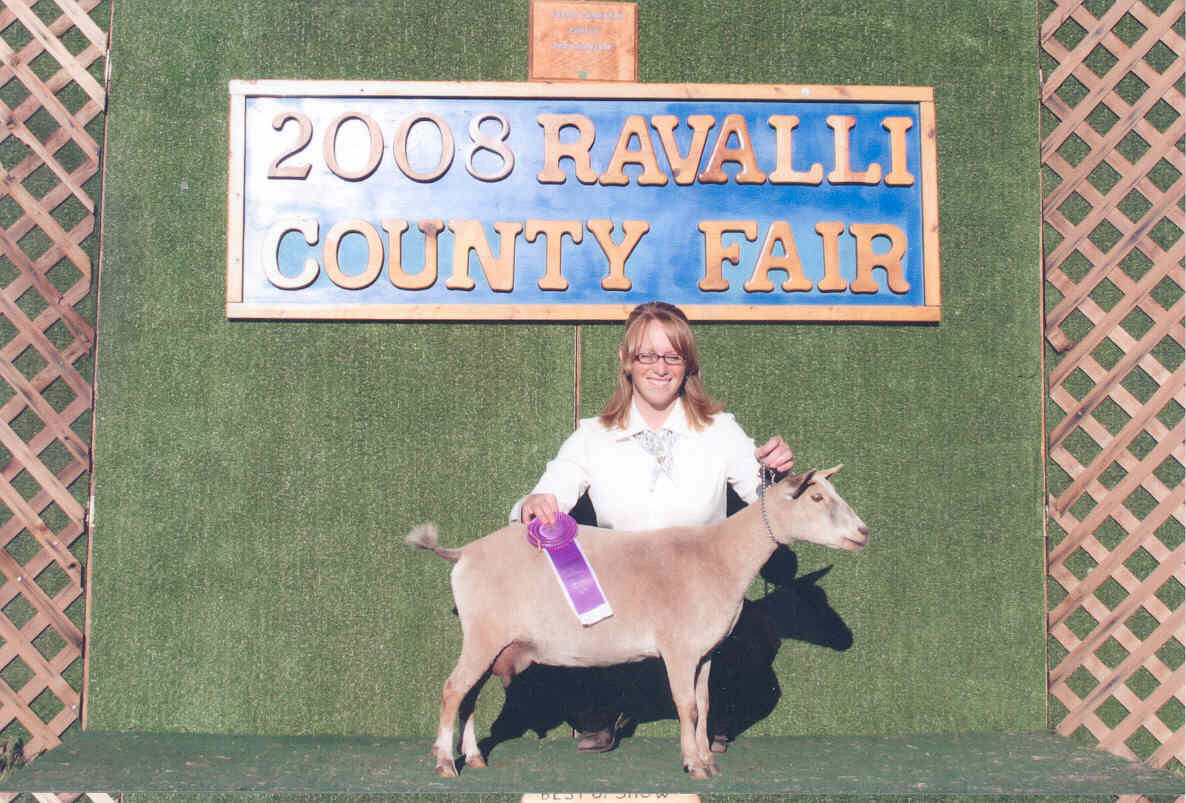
743	688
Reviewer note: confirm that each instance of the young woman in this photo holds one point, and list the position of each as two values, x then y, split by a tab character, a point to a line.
662	452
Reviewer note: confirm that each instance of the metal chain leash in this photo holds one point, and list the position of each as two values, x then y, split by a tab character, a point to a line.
766	480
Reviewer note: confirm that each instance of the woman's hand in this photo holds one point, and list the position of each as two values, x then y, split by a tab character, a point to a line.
774	454
539	506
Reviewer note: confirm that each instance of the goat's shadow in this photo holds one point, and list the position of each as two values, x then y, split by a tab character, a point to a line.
743	688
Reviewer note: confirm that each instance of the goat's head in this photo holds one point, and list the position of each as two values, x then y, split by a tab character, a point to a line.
806	507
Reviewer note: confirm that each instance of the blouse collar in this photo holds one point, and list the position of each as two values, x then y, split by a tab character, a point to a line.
677	421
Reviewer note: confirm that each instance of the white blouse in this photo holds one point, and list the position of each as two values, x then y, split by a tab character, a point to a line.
626	487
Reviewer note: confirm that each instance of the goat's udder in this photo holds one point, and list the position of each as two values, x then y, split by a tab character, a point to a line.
511	660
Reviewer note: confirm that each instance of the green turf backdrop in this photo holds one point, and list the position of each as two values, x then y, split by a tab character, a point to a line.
254	480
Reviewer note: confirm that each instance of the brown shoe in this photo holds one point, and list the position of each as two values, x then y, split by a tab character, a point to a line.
720	743
602	741
597	741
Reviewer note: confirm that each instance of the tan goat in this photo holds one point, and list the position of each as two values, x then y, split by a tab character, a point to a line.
676	594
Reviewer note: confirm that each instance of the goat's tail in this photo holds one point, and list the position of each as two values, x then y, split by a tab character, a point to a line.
425	537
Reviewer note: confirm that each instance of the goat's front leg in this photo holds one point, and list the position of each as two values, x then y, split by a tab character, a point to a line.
702	749
681	674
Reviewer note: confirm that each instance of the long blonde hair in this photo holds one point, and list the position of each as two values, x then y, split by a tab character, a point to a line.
699	407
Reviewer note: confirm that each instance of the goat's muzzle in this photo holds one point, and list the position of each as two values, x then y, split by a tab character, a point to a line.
853	544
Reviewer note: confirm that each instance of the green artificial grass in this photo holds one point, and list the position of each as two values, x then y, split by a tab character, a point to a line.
254	480
180	767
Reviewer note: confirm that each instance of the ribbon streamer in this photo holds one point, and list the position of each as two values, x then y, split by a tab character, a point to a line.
576	577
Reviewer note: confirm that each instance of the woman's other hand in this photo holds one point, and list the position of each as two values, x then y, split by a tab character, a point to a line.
774	454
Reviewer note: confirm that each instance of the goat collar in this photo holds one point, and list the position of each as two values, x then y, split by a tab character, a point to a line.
766	479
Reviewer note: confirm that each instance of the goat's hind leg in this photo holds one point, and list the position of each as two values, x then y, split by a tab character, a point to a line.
466	678
469	736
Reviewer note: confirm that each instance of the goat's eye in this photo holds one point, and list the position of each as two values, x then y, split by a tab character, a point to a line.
817	497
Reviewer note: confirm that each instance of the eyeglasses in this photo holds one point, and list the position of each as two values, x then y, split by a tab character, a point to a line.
650	358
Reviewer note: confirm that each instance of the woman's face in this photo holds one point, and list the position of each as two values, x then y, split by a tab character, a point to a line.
657	385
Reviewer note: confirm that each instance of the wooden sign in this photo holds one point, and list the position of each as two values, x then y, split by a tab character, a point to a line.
472	201
583	41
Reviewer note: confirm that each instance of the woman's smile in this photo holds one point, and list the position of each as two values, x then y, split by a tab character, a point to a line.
656	386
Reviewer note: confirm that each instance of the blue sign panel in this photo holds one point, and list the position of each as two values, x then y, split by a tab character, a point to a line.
480	201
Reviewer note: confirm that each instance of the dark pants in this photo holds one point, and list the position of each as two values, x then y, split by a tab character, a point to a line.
742	686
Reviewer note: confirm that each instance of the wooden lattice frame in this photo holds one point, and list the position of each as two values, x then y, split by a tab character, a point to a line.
54	52
1113	213
52	96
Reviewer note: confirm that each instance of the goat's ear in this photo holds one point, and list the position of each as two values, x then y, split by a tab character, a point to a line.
799	482
811	579
831	471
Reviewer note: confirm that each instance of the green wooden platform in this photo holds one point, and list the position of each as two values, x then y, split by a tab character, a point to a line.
177	765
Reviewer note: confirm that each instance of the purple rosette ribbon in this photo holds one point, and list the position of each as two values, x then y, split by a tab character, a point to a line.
571	567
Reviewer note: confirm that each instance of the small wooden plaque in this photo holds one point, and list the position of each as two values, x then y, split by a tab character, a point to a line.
583	41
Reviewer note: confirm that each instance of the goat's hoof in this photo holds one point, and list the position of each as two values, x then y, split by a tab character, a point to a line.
476	761
446	768
712	768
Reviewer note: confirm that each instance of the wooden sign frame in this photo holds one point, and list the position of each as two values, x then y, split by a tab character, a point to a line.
610	307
